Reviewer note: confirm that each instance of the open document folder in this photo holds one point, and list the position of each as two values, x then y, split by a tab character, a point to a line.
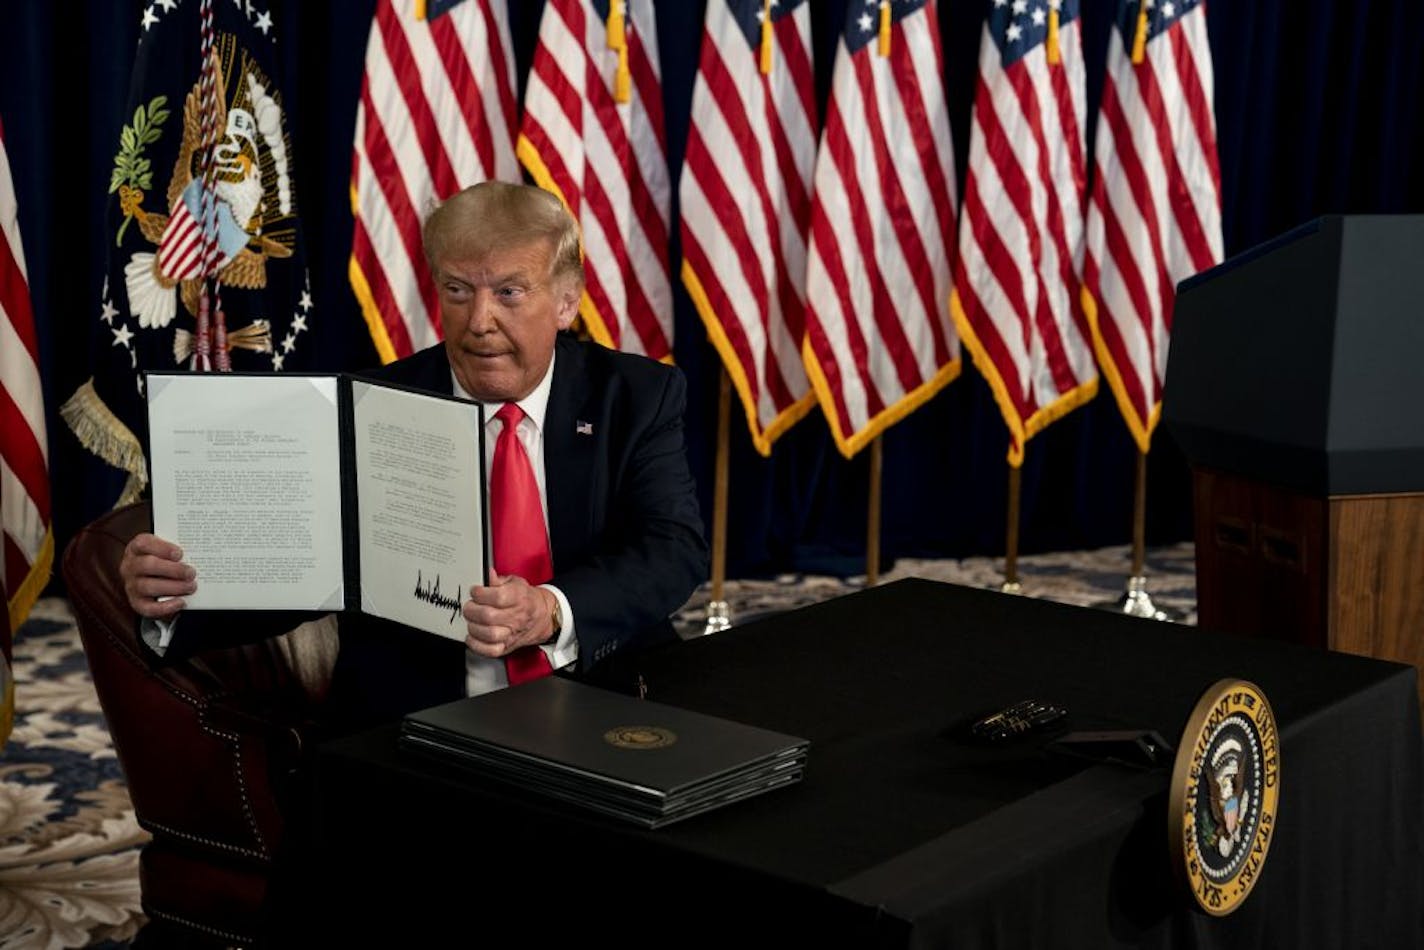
321	493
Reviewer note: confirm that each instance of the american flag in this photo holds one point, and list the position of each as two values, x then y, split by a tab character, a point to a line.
437	114
879	341
24	454
1155	215
592	133
745	196
1017	298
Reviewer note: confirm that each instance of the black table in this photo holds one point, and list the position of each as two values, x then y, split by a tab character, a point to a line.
902	834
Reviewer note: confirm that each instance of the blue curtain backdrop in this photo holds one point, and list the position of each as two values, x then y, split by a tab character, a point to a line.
1319	110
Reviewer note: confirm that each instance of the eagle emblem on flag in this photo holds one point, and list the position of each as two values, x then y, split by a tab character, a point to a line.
252	197
206	269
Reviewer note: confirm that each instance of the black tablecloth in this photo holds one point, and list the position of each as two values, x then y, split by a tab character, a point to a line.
902	833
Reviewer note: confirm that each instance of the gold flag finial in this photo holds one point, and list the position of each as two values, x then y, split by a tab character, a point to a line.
766	37
1139	42
884	27
618	40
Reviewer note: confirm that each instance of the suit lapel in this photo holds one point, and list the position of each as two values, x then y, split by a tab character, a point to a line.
568	453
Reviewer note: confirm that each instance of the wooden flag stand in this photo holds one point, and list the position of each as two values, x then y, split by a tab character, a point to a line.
1135	601
719	617
1011	583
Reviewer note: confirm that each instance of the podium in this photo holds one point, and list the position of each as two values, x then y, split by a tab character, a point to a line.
1294	386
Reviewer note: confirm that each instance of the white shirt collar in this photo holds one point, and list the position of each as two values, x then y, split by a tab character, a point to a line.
535	405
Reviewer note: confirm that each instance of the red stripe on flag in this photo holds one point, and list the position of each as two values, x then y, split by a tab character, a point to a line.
23	453
1190	77
386	173
380	286
897	210
1043	314
1001	265
1139	184
407	75
724	205
465	90
15	298
1175	184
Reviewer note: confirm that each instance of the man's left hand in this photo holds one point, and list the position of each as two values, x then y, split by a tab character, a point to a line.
508	614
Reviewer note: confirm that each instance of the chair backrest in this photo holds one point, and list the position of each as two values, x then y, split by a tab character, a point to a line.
207	744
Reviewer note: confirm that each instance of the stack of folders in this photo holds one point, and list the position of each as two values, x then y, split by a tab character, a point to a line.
605	752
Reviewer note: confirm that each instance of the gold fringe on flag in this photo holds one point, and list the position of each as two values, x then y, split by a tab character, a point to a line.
766	47
23	598
420	9
100	431
1139	42
1054	56
884	27
618	40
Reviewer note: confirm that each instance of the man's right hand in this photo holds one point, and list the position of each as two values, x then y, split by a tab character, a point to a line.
154	568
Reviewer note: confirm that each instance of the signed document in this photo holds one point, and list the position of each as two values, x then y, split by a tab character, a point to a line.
292	492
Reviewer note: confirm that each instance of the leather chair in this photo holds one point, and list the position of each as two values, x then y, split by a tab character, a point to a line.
210	746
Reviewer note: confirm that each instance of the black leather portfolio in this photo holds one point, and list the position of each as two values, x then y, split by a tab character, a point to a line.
643	762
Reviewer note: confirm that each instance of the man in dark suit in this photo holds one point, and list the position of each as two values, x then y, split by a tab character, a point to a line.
603	434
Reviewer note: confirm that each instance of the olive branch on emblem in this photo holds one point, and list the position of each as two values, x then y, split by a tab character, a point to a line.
132	171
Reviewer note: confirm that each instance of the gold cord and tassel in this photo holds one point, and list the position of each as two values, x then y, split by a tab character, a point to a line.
256	337
618	40
766	46
1139	41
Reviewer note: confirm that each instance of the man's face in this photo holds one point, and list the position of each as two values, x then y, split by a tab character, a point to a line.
501	313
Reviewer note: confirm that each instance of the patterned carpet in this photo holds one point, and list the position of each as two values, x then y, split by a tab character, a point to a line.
68	837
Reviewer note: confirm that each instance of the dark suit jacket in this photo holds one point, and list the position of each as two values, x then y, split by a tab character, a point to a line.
624	526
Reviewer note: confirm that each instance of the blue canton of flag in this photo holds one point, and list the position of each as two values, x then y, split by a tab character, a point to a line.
749	14
1019	26
1161	15
435	8
863	27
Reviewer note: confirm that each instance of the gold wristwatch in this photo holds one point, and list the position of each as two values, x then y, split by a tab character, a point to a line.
556	618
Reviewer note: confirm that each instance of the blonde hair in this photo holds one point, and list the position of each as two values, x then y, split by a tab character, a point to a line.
497	214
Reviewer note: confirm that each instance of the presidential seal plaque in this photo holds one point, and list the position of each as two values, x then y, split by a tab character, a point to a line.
1225	783
640	737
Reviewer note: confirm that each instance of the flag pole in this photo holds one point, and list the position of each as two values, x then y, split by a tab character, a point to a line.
1135	601
872	540
1011	583
718	616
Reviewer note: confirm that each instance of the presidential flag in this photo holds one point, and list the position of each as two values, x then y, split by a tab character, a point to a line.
26	540
879	341
437	114
745	197
592	133
1155	215
206	268
1017	288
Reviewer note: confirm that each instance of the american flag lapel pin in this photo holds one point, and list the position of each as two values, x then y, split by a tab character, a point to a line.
583	428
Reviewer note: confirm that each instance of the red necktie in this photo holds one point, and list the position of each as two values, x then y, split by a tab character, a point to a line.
521	545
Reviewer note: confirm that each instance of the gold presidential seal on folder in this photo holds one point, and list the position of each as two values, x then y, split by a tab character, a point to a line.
640	737
1225	784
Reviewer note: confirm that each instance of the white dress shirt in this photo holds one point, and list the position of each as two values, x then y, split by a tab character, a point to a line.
483	674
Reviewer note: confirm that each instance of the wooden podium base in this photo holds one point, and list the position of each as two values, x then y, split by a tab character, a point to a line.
1344	572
